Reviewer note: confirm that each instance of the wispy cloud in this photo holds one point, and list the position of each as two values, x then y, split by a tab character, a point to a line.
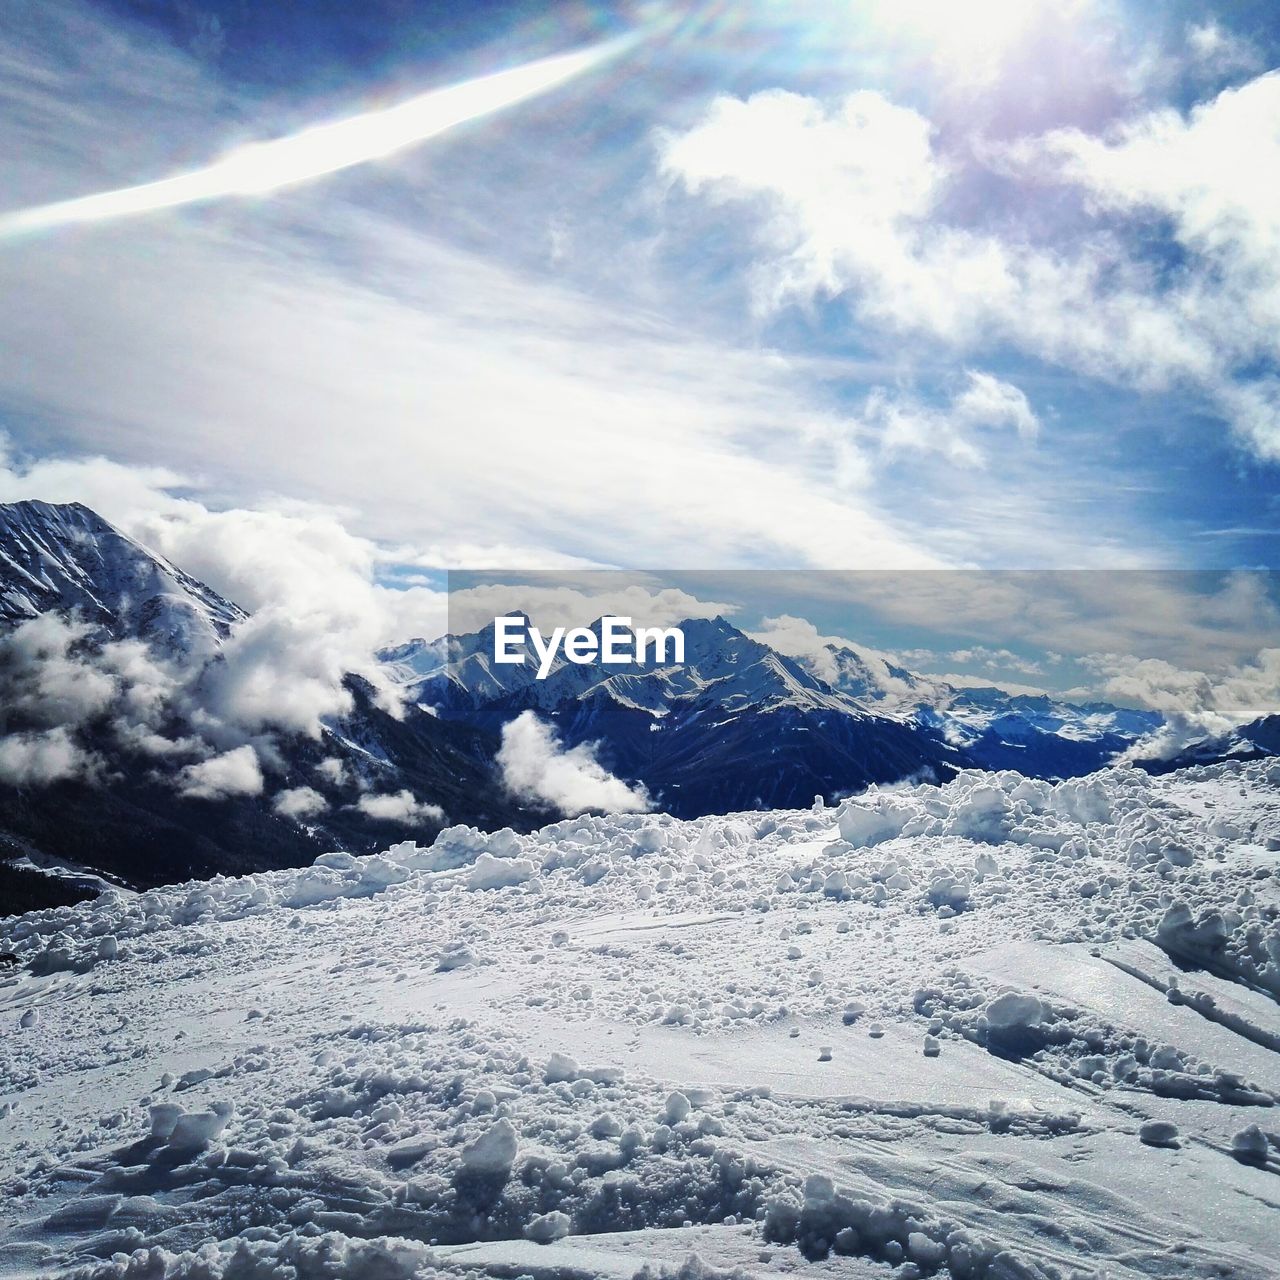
322	345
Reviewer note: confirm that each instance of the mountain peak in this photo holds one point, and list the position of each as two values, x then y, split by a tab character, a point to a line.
34	512
65	558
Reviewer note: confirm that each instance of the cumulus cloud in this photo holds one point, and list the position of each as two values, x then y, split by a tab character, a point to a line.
57	676
575	600
38	759
233	773
536	766
402	807
841	662
317	610
1195	704
45	676
799	638
299	802
852	202
273	674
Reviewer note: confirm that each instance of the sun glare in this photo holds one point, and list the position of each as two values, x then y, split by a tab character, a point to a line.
260	168
969	37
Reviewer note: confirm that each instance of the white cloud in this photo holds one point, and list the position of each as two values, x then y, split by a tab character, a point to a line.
233	773
995	659
852	201
448	402
987	401
841	187
1215	50
56	672
38	759
43	677
576	600
969	44
508	408
905	424
1208	623
299	802
400	806
1210	173
317	612
535	766
1194	703
799	638
333	770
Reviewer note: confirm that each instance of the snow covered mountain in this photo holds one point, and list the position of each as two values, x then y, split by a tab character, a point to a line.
1035	734
144	783
999	1028
735	726
106	750
65	558
740	726
1253	741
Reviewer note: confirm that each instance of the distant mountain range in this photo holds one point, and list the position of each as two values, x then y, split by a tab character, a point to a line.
740	726
736	726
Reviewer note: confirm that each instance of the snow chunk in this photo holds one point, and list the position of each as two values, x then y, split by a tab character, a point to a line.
498	873
549	1227
560	1068
677	1108
863	825
194	1130
493	1152
1014	1011
1159	1133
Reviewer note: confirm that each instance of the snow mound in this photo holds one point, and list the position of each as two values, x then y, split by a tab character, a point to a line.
945	1029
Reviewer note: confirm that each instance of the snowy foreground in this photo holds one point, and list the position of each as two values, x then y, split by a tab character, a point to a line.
1000	1028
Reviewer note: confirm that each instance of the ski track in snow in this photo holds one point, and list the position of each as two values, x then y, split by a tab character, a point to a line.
1000	1028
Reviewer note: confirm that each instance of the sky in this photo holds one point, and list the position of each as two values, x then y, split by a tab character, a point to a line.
769	285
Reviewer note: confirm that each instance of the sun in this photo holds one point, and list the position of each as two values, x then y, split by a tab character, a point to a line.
969	37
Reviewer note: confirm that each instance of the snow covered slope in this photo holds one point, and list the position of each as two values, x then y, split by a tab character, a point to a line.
994	1029
60	558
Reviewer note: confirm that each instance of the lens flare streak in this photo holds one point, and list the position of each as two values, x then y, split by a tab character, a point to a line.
263	167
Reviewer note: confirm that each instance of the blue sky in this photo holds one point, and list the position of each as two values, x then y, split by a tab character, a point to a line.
782	285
